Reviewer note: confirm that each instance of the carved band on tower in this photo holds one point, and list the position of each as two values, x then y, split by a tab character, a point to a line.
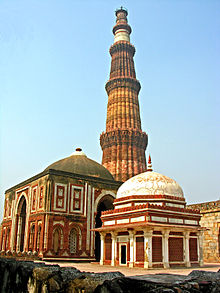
123	143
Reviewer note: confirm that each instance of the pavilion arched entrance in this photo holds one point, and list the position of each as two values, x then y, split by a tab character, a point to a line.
105	203
20	224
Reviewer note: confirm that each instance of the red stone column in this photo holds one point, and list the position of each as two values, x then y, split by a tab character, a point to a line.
42	235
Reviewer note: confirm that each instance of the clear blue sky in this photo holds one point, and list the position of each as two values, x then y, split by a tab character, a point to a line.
54	63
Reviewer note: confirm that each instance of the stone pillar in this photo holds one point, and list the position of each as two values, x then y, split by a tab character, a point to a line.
132	252
114	248
148	249
102	246
19	234
165	249
45	232
200	247
186	250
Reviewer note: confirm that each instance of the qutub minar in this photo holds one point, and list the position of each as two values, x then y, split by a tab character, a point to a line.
123	143
77	209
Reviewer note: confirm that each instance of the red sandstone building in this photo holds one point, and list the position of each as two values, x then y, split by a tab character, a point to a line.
51	214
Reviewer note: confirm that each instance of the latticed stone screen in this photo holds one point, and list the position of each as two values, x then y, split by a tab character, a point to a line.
175	249
157	249
193	249
73	241
140	249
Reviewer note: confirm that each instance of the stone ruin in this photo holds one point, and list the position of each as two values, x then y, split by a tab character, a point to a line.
28	276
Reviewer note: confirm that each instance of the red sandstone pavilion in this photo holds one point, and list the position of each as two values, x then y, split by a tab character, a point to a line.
57	214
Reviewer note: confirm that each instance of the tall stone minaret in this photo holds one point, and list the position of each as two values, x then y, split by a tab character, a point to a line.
123	143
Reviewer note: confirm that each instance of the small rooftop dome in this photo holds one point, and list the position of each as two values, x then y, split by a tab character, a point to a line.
79	163
150	183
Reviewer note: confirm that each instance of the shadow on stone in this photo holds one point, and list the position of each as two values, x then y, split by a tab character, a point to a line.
27	276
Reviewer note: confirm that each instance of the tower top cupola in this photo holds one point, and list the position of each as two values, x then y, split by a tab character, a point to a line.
122	29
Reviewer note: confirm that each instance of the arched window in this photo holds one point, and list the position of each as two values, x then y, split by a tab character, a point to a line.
31	239
38	237
56	240
7	239
73	241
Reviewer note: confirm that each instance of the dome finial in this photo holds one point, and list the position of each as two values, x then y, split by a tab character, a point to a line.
149	165
78	152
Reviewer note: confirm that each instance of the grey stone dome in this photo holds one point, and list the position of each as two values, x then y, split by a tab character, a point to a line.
79	163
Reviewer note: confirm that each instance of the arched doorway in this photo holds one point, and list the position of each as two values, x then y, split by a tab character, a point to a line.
21	222
31	239
57	240
106	203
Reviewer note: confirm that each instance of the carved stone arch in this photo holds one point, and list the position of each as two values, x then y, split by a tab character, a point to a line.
57	238
8	231
79	231
73	241
100	197
103	202
32	236
21	222
19	203
39	230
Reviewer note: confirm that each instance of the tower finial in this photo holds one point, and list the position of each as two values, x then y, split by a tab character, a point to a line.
149	165
122	29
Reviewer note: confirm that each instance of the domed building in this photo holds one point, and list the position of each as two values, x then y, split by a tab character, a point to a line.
150	225
51	214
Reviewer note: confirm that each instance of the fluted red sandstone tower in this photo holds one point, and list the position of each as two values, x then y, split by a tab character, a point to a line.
123	143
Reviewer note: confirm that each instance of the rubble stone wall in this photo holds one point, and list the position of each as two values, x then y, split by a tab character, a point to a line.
210	220
27	276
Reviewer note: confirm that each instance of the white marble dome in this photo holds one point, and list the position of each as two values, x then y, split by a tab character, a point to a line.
150	183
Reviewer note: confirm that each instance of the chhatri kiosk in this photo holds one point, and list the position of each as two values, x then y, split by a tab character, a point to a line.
150	225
